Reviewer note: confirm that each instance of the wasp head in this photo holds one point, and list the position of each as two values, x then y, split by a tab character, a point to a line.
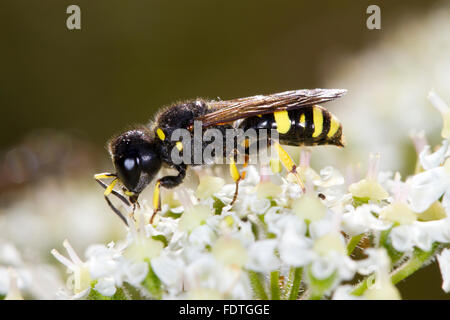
137	160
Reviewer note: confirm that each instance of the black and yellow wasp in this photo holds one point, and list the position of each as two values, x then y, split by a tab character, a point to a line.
139	154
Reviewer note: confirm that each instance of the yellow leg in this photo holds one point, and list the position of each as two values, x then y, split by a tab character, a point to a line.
110	187
157	197
104	175
156	200
237	177
107	175
287	162
245	166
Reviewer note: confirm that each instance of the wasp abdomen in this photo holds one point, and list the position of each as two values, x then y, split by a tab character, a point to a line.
308	126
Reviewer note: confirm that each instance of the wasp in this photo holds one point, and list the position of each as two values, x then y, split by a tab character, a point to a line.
139	154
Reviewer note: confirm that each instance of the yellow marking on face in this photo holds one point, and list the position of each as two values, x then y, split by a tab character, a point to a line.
259	116
109	189
179	146
318	122
334	126
160	134
283	121
156	196
286	160
234	172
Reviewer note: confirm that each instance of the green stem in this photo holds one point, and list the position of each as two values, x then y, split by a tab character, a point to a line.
361	287
95	295
316	296
353	243
256	281
152	283
408	268
297	274
412	265
274	285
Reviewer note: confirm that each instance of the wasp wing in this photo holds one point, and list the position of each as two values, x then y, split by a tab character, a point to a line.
231	110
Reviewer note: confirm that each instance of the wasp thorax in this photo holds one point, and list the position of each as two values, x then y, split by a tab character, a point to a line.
136	159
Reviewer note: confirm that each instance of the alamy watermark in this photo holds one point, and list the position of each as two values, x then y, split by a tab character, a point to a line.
73	21
211	146
374	20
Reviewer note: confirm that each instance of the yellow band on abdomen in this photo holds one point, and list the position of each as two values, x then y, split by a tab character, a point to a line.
318	122
283	121
334	126
302	120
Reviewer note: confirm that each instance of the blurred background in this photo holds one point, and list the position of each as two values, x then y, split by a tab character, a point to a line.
64	93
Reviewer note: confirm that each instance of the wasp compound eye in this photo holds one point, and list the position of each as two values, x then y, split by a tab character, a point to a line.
129	172
150	162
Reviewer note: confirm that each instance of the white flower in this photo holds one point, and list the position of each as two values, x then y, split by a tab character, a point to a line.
169	268
135	272
106	286
79	269
444	266
433	160
16	274
293	245
140	246
443	108
9	255
230	252
331	256
405	237
427	187
362	220
209	273
259	206
104	261
107	263
202	236
262	256
13	292
378	264
329	177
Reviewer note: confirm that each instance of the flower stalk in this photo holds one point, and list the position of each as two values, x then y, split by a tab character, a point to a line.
296	275
257	283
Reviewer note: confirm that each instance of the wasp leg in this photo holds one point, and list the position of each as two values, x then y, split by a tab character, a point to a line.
114	192
116	211
167	182
109	190
157	197
287	162
237	177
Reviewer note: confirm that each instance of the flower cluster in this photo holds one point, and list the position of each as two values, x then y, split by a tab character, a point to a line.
339	239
